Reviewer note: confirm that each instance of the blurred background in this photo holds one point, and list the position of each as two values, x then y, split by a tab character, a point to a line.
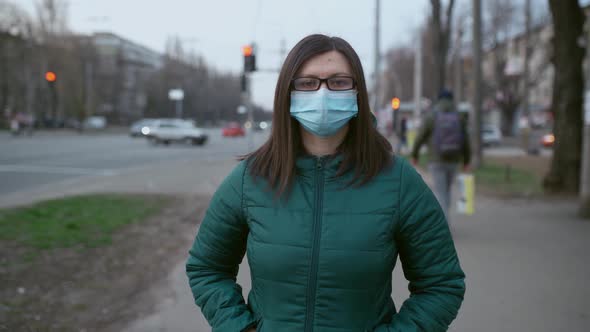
119	119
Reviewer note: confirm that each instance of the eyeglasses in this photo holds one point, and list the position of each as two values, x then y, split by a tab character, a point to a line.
335	83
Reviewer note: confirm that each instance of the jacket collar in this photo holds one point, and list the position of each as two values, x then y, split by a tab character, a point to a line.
308	163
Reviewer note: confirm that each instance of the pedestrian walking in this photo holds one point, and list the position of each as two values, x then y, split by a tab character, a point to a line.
14	126
323	210
446	132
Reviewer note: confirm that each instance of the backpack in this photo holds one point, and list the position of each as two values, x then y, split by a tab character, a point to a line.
447	137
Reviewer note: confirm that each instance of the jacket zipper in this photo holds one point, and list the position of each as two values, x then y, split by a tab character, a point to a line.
317	230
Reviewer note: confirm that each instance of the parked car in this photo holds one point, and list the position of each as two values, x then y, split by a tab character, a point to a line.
233	129
491	135
141	128
166	131
95	122
548	140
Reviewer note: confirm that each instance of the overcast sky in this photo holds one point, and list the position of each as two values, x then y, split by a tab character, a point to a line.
217	29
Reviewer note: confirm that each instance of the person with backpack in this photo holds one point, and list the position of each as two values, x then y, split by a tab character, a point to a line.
446	131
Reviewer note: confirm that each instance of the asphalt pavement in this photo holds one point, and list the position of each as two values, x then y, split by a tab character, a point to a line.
45	165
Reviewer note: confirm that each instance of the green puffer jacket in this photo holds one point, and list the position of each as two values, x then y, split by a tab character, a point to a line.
323	259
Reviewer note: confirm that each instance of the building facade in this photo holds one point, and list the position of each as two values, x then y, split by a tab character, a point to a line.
123	69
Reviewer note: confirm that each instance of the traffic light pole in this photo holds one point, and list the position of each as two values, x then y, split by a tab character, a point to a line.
247	102
249	52
53	104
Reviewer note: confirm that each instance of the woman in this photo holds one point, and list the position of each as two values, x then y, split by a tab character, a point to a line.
323	210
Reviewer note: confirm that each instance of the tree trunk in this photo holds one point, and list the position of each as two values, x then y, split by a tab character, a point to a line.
440	41
568	22
507	120
436	28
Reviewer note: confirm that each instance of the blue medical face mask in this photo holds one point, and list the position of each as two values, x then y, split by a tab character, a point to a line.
323	112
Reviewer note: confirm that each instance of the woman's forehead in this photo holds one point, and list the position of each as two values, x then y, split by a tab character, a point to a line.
325	65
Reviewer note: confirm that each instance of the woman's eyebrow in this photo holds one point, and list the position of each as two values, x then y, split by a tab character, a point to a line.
333	75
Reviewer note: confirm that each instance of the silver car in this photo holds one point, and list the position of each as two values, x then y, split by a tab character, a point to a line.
140	128
166	131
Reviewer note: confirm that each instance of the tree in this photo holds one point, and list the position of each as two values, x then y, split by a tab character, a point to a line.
510	49
568	86
51	31
504	88
398	74
16	52
209	96
52	19
441	29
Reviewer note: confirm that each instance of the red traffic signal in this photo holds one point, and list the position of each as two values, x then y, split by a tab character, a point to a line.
249	58
50	77
395	103
247	50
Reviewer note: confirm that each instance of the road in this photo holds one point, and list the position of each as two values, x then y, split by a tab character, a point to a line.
46	162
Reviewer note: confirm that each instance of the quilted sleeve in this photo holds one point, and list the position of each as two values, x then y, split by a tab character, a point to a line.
429	261
214	258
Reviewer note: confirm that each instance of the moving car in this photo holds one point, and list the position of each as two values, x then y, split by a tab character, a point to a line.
491	135
260	126
141	128
233	129
166	131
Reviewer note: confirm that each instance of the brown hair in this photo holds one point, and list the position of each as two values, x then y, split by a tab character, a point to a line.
364	149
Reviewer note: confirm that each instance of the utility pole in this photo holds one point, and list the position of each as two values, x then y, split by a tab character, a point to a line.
418	78
377	70
477	58
585	171
526	132
527	56
584	210
458	57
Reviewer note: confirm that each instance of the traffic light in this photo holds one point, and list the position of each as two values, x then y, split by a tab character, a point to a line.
249	58
50	77
395	103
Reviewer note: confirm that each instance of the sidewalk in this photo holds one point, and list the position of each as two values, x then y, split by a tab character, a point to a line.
526	263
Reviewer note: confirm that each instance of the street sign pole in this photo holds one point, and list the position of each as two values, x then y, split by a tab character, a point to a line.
177	95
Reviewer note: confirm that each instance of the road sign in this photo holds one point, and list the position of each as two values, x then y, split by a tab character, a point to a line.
176	94
242	109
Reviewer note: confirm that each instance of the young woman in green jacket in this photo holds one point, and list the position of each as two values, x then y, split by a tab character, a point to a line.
323	210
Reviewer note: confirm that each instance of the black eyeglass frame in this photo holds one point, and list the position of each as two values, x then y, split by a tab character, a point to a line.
322	80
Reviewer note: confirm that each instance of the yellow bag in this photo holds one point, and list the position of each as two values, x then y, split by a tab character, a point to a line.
466	202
